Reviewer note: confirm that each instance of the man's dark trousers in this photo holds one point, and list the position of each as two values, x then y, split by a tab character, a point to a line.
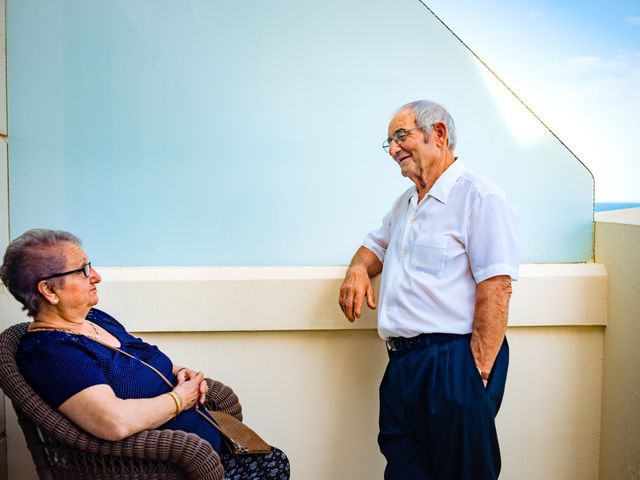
437	420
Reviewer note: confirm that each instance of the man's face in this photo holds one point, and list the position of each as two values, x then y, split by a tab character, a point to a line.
416	153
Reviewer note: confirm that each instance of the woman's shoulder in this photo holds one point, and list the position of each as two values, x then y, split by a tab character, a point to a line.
56	349
53	340
59	364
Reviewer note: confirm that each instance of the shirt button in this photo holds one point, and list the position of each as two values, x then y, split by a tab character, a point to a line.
412	221
404	252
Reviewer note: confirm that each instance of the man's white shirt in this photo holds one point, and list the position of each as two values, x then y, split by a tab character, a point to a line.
436	251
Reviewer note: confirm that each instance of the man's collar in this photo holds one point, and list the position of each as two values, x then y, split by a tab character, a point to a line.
443	186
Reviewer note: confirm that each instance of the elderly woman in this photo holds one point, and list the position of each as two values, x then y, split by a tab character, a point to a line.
67	356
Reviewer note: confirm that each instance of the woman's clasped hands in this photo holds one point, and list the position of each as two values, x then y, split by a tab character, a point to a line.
192	388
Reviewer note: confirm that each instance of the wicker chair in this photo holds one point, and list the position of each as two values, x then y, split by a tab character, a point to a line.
61	450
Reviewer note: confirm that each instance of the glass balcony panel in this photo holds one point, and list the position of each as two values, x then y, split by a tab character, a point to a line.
248	133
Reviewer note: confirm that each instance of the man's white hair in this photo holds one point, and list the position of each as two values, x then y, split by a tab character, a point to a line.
426	113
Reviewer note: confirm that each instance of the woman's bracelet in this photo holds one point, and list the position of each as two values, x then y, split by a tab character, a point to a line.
178	401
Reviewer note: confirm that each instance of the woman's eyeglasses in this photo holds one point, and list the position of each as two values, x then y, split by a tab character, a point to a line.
85	269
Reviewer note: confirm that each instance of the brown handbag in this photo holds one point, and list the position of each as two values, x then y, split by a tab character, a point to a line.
239	438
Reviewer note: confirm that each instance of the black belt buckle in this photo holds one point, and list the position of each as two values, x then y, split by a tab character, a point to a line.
396	344
400	343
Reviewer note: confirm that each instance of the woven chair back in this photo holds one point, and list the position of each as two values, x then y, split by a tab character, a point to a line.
61	450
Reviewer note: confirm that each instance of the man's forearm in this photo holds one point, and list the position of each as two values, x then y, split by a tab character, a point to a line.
490	320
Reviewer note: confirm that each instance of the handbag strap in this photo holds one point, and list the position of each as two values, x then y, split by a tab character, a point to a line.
127	354
161	375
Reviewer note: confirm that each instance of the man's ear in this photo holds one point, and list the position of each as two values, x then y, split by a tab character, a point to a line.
440	134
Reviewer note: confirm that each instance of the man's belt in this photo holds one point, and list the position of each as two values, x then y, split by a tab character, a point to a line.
396	344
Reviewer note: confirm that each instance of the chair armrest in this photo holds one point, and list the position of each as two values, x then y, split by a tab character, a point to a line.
222	398
195	457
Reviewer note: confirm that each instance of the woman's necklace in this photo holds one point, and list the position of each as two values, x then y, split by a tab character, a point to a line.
93	325
96	334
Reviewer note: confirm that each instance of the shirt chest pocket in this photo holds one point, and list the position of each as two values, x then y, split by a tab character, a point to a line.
429	253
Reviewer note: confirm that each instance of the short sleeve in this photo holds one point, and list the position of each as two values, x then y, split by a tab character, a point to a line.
492	238
60	368
378	240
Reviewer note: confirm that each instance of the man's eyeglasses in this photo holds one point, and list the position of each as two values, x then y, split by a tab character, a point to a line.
399	136
85	269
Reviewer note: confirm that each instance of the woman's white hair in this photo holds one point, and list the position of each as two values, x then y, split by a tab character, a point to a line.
33	255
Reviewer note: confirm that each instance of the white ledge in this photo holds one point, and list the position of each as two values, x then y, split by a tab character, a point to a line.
627	216
560	294
186	299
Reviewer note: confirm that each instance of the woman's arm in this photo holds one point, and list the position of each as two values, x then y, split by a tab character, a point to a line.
97	410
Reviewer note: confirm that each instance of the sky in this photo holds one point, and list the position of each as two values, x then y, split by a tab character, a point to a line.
576	64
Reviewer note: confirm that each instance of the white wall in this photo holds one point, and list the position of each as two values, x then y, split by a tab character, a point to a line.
618	247
312	390
4	200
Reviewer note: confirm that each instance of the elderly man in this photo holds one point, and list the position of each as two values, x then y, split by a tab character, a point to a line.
448	251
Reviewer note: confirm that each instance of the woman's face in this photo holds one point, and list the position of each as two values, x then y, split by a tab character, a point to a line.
79	292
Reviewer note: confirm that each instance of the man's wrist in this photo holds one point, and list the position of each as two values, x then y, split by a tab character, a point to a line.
358	266
484	375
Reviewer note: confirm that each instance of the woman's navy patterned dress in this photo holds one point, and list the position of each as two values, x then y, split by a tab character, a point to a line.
58	365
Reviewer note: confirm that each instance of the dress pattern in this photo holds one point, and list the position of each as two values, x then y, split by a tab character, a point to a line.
271	466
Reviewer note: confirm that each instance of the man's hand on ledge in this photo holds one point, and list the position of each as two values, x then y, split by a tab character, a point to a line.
355	287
